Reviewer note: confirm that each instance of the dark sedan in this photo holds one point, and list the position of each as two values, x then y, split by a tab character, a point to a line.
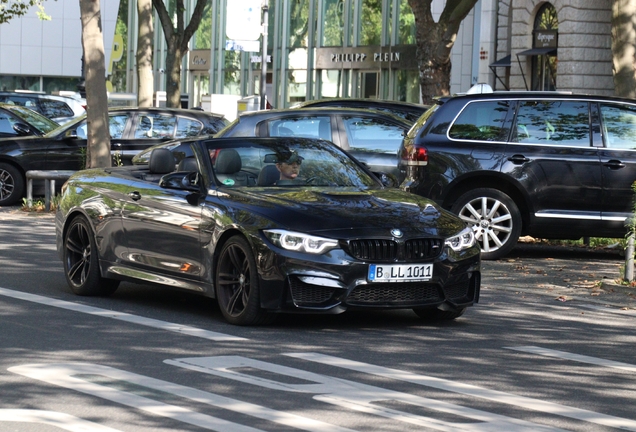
372	137
131	130
266	226
17	121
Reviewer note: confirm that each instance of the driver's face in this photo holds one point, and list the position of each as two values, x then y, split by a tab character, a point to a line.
288	171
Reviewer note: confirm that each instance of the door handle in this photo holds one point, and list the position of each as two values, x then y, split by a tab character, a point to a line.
614	164
135	196
518	159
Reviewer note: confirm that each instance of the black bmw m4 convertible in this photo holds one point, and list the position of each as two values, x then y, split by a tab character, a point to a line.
265	225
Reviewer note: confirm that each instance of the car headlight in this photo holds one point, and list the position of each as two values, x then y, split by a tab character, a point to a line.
300	242
464	240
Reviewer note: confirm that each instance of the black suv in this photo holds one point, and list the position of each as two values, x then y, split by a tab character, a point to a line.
548	165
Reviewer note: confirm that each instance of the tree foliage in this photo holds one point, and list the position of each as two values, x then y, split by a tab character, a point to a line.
10	9
177	36
434	42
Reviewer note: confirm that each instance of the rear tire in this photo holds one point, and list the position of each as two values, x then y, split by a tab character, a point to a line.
81	261
494	217
438	315
236	284
11	184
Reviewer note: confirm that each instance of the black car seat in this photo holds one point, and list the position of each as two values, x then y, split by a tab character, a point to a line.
268	175
161	162
188	164
227	168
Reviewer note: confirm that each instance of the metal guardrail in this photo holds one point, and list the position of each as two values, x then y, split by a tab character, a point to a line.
49	178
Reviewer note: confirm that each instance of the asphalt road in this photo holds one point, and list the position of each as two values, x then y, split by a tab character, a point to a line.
541	351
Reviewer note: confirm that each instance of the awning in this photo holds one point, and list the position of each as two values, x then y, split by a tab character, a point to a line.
502	62
538	51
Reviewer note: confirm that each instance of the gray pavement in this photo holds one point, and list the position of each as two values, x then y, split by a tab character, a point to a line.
567	274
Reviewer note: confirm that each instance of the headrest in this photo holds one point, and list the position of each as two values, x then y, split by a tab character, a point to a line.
161	161
228	161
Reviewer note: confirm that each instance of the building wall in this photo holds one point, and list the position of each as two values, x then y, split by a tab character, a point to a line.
30	46
584	44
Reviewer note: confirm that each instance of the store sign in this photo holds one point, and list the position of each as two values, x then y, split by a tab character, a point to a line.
199	60
367	57
545	39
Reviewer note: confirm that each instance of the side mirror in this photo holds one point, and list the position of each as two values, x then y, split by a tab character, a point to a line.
22	129
188	181
70	134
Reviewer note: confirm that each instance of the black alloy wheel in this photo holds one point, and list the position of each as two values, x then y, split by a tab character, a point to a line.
81	263
494	217
11	184
236	282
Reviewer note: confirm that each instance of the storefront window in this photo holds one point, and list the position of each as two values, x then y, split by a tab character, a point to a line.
544	67
333	14
333	83
371	22
406	27
203	35
407	86
232	74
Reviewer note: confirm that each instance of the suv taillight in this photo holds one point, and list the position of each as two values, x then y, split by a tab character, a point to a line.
414	156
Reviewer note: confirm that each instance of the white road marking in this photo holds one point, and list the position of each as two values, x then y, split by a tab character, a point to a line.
122	316
575	357
357	396
52	418
471	390
68	375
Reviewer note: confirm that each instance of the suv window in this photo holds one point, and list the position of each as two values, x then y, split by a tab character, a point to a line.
374	135
188	127
619	126
481	121
309	127
564	123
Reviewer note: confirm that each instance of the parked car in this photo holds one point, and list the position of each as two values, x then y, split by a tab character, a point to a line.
222	225
407	110
131	130
372	137
60	109
548	165
17	121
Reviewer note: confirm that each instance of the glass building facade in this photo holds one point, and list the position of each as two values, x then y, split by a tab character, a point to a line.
318	49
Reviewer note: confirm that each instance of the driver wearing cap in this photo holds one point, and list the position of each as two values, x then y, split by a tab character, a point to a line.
289	167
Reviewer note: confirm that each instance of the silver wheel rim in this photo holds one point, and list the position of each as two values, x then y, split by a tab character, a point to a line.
7	184
491	221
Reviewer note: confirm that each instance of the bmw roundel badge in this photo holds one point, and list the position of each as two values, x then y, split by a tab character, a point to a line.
396	233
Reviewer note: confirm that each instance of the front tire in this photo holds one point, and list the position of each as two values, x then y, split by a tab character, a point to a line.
237	287
11	184
494	217
81	261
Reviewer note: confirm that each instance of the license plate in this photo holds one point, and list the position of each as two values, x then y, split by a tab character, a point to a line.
400	273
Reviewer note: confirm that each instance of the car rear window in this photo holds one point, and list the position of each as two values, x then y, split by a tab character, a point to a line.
481	121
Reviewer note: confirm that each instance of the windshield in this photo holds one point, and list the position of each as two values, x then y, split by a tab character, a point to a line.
288	163
44	124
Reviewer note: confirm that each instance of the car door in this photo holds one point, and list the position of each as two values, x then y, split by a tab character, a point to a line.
618	160
551	154
161	230
372	140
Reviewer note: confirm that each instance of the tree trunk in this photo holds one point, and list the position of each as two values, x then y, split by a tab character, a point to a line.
145	81
624	47
434	42
173	75
98	143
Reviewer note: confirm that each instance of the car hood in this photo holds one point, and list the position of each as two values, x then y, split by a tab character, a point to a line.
348	213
